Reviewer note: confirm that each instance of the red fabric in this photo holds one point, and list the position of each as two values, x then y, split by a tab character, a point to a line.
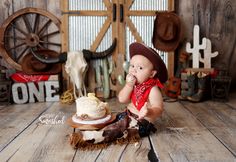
141	92
24	78
214	73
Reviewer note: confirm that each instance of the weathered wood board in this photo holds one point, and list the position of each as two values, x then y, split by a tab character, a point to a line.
186	132
218	118
16	118
42	141
182	137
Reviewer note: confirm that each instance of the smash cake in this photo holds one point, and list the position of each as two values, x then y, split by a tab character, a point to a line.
91	111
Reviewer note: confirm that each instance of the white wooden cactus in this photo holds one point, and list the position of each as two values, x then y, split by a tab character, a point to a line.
196	46
206	59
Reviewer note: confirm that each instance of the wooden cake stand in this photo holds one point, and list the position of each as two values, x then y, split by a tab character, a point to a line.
80	126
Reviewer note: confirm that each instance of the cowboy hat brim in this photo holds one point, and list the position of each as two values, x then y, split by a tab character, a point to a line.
159	65
159	42
51	68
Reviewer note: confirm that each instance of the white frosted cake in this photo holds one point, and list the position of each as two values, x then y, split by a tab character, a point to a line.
91	108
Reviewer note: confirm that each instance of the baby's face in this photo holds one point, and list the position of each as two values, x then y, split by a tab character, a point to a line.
141	68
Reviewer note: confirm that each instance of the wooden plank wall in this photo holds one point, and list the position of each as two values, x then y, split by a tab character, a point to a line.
217	21
215	17
8	7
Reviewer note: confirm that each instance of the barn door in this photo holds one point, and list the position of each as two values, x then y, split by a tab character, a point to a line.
88	24
94	24
136	24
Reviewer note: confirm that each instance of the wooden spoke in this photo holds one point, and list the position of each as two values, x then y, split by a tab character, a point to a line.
40	46
14	37
15	27
51	43
36	23
50	34
22	53
44	27
17	46
27	24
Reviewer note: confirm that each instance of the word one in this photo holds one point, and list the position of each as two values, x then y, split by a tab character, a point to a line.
28	92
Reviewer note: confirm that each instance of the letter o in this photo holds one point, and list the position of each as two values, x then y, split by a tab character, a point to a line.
22	96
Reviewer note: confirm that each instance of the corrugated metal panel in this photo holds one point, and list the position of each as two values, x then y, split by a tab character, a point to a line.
159	5
144	24
82	33
84	29
86	5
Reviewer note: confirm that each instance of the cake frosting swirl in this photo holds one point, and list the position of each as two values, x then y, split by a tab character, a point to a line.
91	108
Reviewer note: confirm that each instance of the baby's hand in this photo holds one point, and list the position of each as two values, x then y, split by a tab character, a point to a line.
143	112
130	80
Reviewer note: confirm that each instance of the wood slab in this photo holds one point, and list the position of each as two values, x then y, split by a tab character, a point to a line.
219	119
232	100
42	141
186	132
181	137
112	153
137	152
16	118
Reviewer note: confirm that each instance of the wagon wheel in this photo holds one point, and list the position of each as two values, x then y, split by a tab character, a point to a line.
25	29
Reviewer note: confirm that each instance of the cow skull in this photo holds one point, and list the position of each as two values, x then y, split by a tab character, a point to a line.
75	64
76	68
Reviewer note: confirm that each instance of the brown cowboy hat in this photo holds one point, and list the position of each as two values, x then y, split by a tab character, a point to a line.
167	31
141	49
32	66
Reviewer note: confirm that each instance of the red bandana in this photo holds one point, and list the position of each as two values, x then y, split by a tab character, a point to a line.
141	92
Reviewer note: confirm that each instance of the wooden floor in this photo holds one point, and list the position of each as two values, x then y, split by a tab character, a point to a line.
186	132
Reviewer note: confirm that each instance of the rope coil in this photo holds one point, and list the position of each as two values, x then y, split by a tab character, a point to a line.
67	97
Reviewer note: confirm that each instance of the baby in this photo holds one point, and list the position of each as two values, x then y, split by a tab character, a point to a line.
146	74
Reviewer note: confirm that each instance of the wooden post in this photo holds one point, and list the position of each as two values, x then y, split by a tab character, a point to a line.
171	57
64	42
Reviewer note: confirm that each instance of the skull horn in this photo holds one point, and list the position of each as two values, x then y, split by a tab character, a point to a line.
89	55
60	59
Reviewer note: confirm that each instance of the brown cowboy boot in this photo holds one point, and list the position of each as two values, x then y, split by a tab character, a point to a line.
192	86
92	139
123	130
192	83
115	130
203	78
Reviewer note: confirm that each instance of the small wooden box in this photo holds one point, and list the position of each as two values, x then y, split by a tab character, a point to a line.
5	92
220	88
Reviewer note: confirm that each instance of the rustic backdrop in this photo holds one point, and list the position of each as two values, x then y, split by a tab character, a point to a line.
217	22
216	19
